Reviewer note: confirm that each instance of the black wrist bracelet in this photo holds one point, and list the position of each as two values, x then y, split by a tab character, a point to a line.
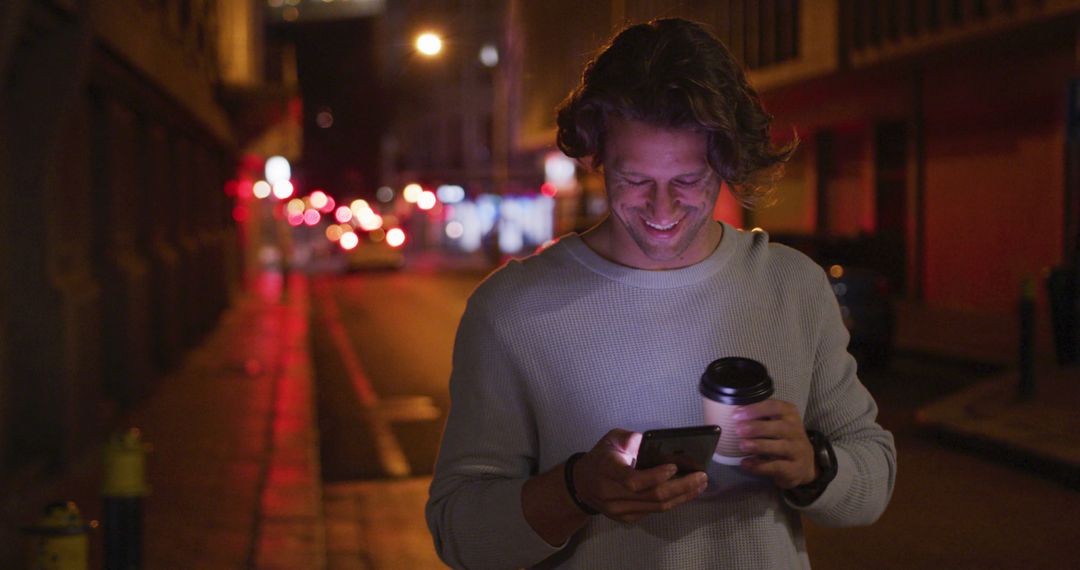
568	475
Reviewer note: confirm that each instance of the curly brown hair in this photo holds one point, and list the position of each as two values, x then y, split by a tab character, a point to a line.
673	73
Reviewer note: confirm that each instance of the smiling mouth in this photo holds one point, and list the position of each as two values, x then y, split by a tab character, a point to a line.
660	227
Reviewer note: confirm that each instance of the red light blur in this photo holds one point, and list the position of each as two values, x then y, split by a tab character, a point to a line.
312	217
230	188
240	214
296	219
548	189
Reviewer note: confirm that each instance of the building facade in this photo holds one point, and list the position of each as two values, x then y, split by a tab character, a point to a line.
935	133
119	246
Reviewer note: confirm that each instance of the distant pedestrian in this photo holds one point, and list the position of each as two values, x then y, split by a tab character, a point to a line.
574	351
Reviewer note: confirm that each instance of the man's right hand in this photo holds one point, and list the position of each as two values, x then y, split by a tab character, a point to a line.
607	481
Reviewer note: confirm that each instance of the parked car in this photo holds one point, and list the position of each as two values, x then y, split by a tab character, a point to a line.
863	293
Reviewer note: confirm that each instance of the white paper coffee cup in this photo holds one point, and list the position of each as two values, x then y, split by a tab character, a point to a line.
727	384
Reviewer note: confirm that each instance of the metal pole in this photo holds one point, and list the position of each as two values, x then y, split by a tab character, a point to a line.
123	491
1026	386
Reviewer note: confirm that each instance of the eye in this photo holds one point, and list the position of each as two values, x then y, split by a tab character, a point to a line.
632	182
689	182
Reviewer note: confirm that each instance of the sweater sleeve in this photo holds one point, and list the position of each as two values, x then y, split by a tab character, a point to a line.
841	407
488	451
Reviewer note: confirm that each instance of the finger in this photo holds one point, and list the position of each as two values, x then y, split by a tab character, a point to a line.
785	474
656	484
770	408
672	488
638	480
772	448
629	507
772	429
621	445
623	441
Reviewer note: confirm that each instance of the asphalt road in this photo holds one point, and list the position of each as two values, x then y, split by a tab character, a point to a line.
951	508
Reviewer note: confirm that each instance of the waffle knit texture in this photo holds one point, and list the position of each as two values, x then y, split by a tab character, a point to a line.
555	350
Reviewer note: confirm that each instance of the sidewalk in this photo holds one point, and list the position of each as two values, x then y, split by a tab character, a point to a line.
234	469
1042	432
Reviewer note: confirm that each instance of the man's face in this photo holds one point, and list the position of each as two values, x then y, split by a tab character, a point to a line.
661	194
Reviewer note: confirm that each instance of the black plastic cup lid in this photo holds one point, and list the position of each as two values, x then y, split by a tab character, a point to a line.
736	381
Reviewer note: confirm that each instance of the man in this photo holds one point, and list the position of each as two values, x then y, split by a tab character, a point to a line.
605	334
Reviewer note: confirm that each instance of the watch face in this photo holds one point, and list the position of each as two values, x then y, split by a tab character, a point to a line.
825	460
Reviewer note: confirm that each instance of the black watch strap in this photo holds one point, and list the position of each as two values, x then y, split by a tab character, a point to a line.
825	461
568	477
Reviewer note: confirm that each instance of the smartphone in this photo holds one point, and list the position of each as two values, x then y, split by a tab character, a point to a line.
689	448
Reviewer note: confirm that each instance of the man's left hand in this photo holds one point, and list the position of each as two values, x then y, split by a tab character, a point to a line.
774	436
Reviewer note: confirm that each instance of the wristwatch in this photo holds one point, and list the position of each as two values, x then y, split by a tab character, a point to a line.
825	460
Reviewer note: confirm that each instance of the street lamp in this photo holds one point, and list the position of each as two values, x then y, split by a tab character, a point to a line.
429	44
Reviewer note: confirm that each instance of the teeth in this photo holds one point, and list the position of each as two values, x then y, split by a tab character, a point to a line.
659	227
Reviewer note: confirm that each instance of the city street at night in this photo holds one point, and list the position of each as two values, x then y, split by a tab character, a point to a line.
952	508
240	239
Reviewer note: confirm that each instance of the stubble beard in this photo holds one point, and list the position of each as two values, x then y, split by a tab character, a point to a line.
692	223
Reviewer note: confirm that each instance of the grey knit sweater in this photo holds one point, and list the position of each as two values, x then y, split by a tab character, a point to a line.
556	349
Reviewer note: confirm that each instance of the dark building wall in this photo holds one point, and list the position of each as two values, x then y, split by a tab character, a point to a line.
117	242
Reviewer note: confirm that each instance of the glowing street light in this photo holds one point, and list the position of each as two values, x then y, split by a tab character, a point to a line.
429	44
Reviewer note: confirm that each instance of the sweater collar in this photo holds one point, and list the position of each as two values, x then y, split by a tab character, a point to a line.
654	279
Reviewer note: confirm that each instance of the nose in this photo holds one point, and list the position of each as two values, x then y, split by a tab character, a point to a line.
663	203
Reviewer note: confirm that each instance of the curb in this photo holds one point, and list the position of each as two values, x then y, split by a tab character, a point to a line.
291	529
1042	433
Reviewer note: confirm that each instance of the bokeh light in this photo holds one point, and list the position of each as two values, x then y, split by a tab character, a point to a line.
261	189
395	237
384	194
450	193
334	232
295	207
349	240
282	190
369	221
324	119
277	169
454	230
411	193
426	200
489	55
318	199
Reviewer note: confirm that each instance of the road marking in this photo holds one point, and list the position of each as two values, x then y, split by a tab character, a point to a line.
377	413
